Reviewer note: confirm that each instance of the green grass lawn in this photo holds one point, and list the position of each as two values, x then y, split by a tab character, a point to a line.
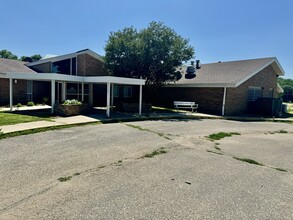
290	107
12	118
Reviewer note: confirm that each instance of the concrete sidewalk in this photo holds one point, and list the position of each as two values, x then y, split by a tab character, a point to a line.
117	116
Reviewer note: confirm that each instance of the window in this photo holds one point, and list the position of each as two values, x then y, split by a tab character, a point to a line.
254	93
127	91
74	91
73	66
116	91
29	90
62	67
67	66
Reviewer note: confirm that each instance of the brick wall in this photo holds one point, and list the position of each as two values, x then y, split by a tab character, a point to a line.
209	99
19	92
237	98
41	90
90	66
42	68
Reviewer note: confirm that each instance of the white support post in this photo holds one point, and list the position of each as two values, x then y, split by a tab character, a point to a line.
52	96
63	91
108	99
224	101
82	91
140	99
11	94
77	97
91	94
112	96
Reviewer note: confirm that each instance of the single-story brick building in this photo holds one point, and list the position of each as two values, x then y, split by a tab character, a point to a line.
225	88
80	75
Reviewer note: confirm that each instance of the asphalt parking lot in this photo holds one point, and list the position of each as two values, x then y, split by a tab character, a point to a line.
110	171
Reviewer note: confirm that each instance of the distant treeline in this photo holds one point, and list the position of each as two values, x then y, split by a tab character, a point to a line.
287	85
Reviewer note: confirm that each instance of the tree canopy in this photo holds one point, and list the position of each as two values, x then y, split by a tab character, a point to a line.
34	58
7	55
152	53
287	85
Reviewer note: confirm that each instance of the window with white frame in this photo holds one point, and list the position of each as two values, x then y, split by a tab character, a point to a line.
29	90
254	93
127	91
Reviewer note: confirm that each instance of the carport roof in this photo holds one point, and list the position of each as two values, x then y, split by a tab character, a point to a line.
70	78
227	74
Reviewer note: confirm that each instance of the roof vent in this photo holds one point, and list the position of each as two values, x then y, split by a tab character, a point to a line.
190	71
219	61
198	65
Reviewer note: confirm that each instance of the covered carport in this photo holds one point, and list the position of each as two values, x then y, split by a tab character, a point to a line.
64	79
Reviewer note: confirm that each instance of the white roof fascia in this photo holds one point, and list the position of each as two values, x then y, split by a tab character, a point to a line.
70	78
203	85
114	80
258	70
42	77
66	56
281	71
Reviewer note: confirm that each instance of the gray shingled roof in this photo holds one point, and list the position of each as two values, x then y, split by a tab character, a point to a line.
14	66
226	73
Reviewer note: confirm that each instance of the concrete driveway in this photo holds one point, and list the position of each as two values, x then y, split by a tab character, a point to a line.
103	173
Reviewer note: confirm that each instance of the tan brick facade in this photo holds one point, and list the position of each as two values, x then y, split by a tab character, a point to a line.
210	100
90	66
19	91
237	98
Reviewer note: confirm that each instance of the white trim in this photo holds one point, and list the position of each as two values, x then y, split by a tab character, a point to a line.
53	96
108	99
202	85
70	78
11	94
67	56
274	61
224	101
140	100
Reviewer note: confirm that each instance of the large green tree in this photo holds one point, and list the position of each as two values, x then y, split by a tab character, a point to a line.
152	53
34	58
7	54
287	85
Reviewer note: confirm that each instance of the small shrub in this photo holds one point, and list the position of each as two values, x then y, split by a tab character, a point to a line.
19	105
45	100
30	103
72	102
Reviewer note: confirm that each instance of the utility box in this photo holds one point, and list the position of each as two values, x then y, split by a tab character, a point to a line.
268	106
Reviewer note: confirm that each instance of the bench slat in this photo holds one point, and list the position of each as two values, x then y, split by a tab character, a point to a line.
183	104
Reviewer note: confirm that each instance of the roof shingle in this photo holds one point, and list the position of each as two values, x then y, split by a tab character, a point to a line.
224	72
14	66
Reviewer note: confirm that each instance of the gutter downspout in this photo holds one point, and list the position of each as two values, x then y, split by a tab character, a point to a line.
224	101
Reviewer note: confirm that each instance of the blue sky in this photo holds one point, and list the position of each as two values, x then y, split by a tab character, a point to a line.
219	30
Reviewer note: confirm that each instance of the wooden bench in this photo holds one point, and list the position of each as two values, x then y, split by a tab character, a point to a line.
182	104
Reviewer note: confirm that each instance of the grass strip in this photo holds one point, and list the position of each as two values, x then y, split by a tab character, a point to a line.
154	153
247	160
221	135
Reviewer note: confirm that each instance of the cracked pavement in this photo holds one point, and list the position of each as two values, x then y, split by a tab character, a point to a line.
114	181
